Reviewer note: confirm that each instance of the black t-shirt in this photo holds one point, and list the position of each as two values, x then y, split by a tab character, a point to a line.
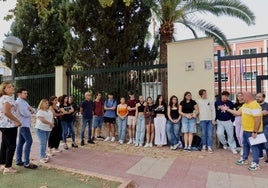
66	117
188	107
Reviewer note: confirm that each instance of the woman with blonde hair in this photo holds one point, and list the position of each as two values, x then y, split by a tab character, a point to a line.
44	125
9	124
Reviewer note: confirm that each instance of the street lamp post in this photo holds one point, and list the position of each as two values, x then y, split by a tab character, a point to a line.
13	45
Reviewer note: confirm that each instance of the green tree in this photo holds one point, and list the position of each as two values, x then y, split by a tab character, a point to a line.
43	38
102	36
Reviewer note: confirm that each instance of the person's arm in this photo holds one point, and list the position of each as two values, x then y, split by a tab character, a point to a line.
168	114
7	113
43	120
196	111
23	110
257	124
117	112
136	110
234	112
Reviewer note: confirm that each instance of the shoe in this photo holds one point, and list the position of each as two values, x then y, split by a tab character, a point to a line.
121	141
9	171
100	137
113	139
140	145
225	147
43	160
175	146
254	166
210	150
266	161
54	150
150	145
136	145
204	149
74	145
82	143
180	146
90	142
146	145
107	139
50	154
134	141
130	141
262	157
189	148
241	162
65	147
234	151
30	166
20	164
185	148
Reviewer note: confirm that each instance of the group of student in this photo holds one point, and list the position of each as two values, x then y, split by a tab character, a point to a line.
148	123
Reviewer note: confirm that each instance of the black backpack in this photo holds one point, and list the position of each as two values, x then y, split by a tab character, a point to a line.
196	144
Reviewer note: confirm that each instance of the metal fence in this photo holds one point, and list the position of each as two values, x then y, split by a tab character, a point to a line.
38	86
146	79
240	73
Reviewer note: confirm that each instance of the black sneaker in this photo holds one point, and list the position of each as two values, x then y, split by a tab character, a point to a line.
90	142
82	143
74	145
100	137
30	166
20	163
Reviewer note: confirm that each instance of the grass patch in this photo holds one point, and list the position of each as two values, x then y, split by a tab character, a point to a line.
44	177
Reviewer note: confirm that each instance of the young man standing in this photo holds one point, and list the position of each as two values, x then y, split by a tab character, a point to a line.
224	122
98	111
251	116
25	136
131	119
207	120
86	109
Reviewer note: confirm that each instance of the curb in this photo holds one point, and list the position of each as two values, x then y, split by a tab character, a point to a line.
125	183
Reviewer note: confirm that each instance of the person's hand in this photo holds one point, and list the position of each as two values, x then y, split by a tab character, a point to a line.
254	134
51	125
214	122
18	123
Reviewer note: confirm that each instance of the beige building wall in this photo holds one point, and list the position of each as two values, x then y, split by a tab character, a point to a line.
191	67
60	80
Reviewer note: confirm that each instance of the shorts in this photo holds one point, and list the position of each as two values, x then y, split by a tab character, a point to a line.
109	120
149	120
188	125
131	120
97	121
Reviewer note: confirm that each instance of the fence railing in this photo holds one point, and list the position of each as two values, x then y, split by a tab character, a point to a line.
143	78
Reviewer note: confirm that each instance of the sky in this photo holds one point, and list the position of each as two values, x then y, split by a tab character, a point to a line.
233	28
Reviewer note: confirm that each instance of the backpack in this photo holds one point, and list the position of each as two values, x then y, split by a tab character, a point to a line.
196	144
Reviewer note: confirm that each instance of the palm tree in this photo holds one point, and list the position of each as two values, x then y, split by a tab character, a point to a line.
186	12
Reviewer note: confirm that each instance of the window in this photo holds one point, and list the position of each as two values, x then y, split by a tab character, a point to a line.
249	51
224	77
249	75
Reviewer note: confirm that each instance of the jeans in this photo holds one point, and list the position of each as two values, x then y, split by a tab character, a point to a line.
8	145
246	148
97	121
140	129
228	127
43	139
86	122
206	132
65	126
122	124
173	130
264	145
25	137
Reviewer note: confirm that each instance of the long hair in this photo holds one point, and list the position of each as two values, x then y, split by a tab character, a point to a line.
62	99
184	96
171	103
41	103
157	100
3	87
51	99
239	93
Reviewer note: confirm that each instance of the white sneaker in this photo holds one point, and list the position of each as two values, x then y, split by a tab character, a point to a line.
130	141
210	150
140	145
44	160
254	166
136	145
107	139
225	147
150	145
147	145
50	154
134	141
113	139
2	168
54	150
9	171
121	141
234	151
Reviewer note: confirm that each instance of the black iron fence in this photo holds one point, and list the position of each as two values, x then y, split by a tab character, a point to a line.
146	79
38	86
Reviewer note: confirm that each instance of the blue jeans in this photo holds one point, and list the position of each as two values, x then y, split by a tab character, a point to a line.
173	130
207	132
140	129
122	123
25	137
97	121
264	145
43	139
246	148
86	122
65	126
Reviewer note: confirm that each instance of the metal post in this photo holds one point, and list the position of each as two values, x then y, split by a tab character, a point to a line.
12	69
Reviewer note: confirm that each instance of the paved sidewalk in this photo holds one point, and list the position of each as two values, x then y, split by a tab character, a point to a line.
159	167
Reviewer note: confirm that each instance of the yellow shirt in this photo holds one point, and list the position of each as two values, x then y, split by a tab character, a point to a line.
249	111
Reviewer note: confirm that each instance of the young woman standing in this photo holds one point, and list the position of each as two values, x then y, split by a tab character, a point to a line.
122	113
149	121
140	128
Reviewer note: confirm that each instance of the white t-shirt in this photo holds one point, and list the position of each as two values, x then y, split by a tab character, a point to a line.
48	115
206	109
5	121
